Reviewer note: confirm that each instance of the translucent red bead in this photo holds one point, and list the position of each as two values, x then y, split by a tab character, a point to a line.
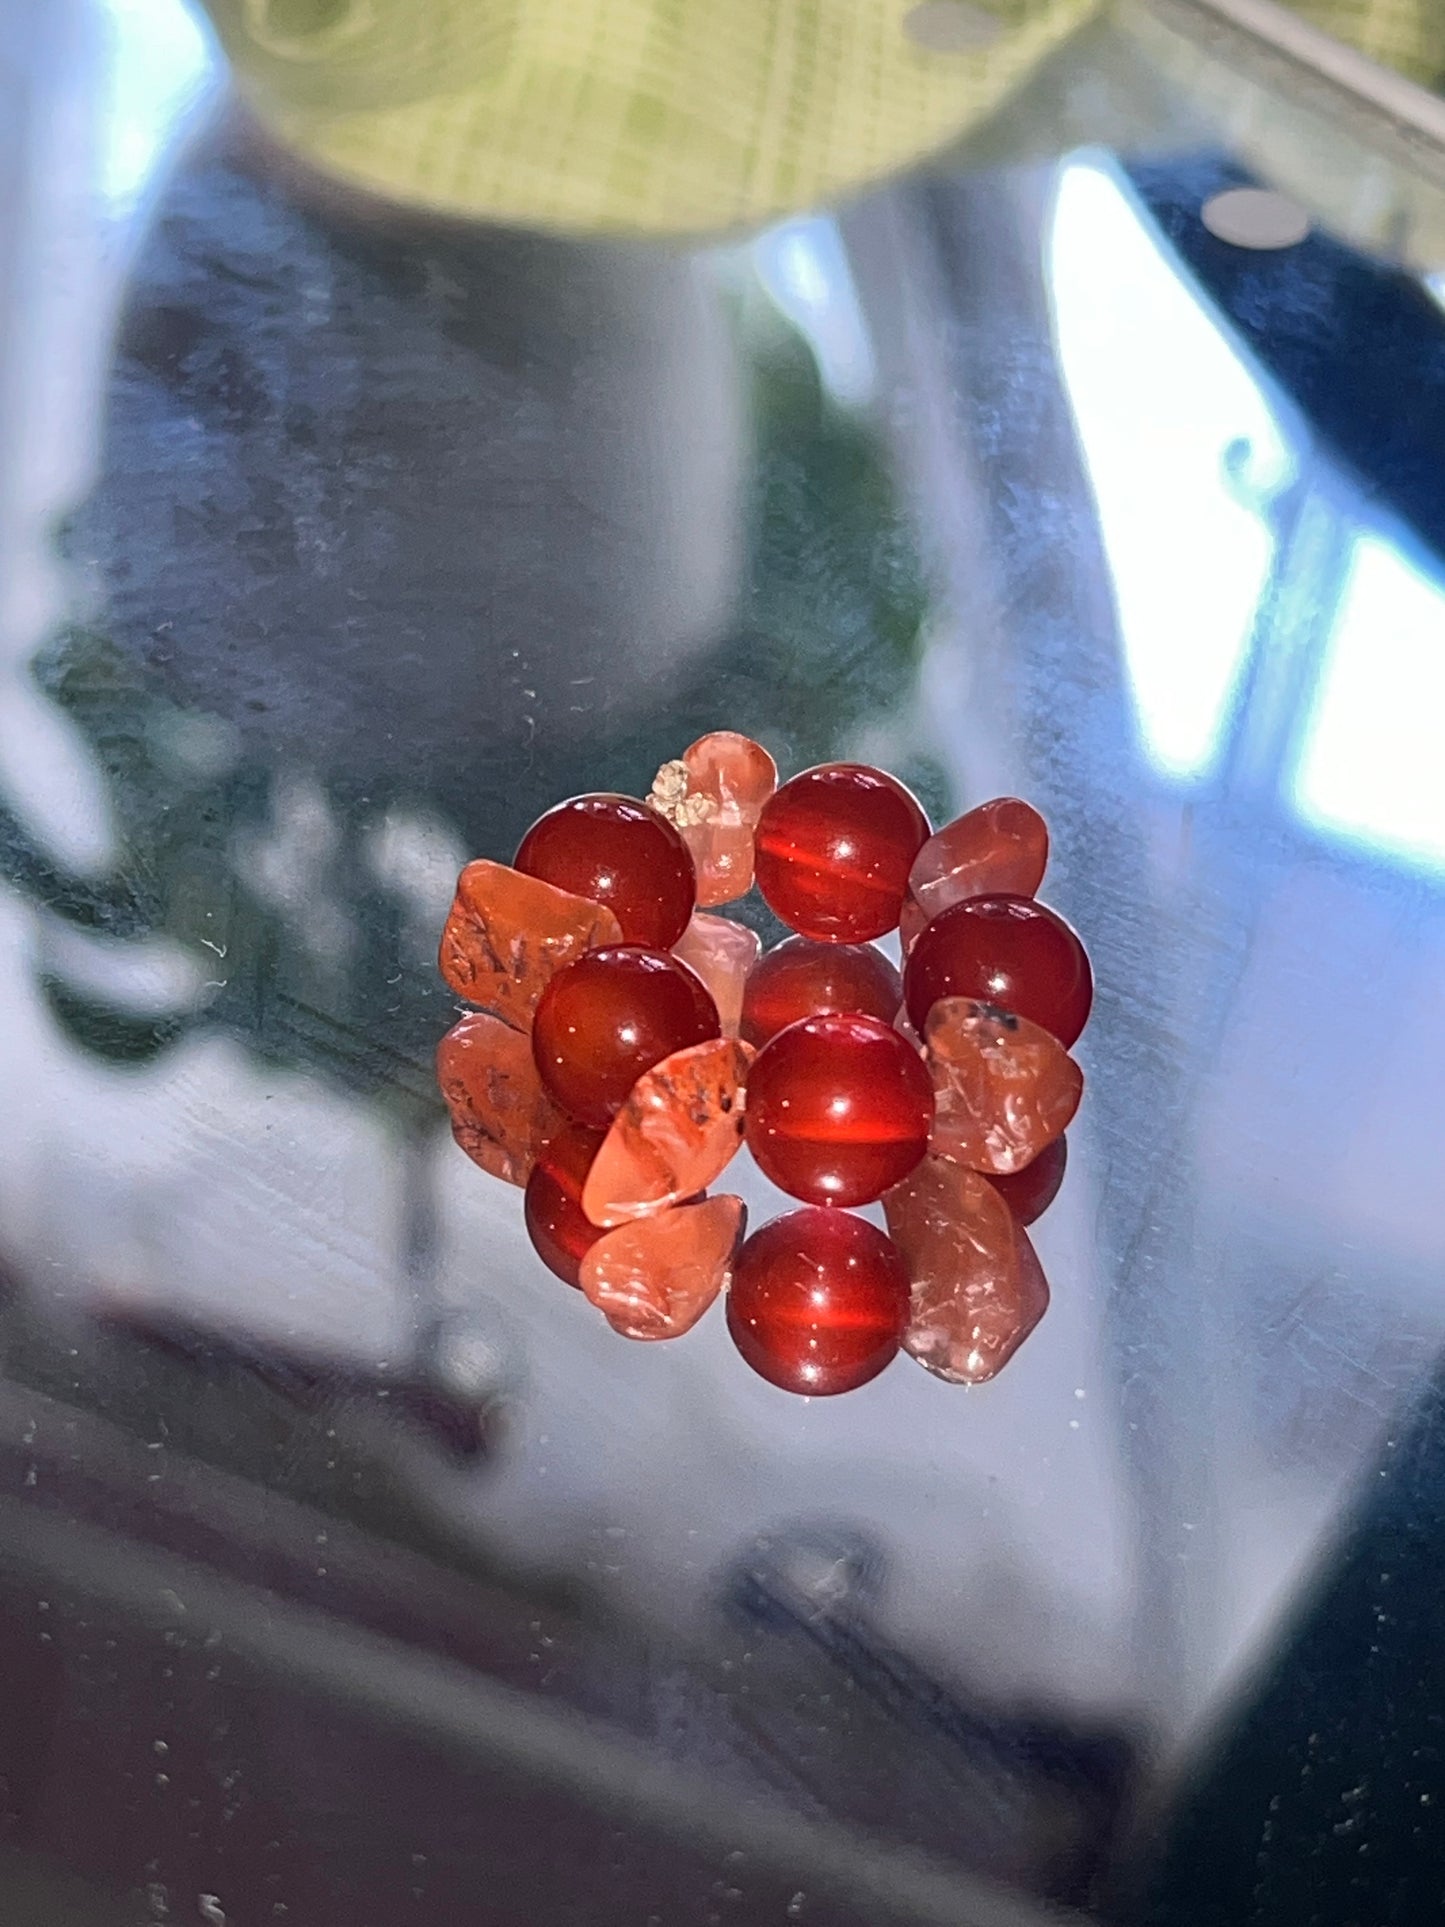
838	1110
618	852
1004	950
819	1302
834	848
560	1230
1030	1192
803	978
628	1042
609	1017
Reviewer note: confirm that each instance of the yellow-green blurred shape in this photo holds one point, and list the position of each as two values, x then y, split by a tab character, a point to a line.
627	115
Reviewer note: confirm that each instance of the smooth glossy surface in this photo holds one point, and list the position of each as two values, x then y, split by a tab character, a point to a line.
838	1109
1004	1089
834	848
1008	951
500	1114
507	935
1030	1192
655	1277
608	1018
803	978
1000	847
560	1230
819	1302
616	851
680	1127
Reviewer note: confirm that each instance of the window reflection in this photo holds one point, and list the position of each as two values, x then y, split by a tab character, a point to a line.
1370	766
804	267
160	69
1173	428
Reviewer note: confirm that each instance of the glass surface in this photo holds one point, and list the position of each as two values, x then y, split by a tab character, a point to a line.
351	1570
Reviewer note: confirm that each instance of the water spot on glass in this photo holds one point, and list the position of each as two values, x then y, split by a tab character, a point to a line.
1255	217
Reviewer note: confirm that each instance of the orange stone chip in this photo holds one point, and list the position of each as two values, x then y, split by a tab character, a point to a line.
722	953
978	1287
678	1129
715	794
655	1277
507	935
500	1114
1004	1088
1001	848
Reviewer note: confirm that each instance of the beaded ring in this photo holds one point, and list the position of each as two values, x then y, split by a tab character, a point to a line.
627	1042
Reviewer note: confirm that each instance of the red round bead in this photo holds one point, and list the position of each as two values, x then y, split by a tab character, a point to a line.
834	848
838	1109
1003	950
605	1019
617	851
801	978
819	1301
1030	1192
561	1232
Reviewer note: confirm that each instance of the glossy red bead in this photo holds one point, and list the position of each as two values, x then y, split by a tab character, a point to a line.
802	978
834	848
838	1109
609	1017
1003	950
560	1230
1030	1192
819	1302
616	851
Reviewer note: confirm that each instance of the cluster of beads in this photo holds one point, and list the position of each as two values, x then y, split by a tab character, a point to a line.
627	1042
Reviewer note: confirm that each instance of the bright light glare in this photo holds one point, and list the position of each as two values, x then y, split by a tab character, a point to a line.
1372	768
804	267
160	69
1159	395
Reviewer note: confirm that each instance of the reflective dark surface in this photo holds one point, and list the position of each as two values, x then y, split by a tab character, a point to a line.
350	1569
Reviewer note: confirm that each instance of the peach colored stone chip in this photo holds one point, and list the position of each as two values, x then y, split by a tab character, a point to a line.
500	1114
722	953
655	1277
507	935
1004	1089
677	1131
978	1287
1001	848
715	793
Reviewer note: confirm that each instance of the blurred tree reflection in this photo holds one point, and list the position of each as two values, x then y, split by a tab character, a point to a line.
305	886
